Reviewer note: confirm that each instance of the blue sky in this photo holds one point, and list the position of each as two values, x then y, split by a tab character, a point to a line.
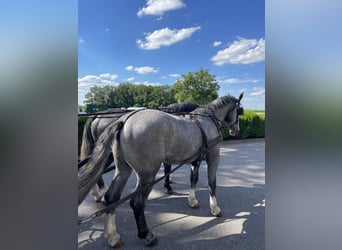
154	42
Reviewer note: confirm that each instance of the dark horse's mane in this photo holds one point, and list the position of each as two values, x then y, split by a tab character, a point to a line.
184	107
217	103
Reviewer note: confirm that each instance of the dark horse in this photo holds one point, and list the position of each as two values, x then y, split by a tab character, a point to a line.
143	140
96	124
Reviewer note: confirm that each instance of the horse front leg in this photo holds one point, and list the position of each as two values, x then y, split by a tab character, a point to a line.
167	170
193	202
213	162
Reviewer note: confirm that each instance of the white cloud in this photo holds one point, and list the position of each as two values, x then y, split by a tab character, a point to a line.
236	80
174	75
101	80
145	70
258	92
217	43
147	83
81	40
130	68
159	7
241	51
86	82
130	79
165	37
108	76
142	70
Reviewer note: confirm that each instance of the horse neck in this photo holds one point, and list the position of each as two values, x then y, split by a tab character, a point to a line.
221	113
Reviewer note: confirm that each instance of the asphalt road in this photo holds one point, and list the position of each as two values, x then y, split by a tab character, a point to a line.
240	195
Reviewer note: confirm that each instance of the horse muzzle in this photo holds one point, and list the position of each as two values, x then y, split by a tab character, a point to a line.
234	132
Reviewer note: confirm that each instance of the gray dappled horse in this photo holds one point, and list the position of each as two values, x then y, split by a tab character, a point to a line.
143	140
96	124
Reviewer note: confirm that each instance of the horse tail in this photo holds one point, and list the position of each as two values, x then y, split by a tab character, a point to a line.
88	142
94	168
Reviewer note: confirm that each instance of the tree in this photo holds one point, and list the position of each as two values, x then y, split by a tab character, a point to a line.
124	95
99	95
128	95
160	96
199	87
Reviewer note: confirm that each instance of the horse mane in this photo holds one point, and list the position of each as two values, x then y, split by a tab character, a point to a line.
184	107
217	103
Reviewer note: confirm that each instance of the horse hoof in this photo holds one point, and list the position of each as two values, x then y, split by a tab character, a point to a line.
151	240
169	191
115	243
103	201
217	213
193	203
98	199
220	214
196	205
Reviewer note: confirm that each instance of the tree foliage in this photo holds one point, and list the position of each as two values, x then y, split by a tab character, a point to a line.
199	87
128	95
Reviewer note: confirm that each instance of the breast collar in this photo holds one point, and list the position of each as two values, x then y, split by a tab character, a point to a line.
206	145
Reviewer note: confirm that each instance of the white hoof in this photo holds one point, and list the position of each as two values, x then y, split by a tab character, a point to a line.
114	240
216	211
193	203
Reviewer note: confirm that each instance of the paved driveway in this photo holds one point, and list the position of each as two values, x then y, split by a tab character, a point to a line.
240	194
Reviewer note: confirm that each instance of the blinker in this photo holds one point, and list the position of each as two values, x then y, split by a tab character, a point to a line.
239	110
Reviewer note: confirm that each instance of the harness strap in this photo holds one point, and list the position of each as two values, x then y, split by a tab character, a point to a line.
126	198
86	160
206	146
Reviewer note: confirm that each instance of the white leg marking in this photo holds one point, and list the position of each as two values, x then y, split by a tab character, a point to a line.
114	239
193	202
215	210
98	195
103	190
95	194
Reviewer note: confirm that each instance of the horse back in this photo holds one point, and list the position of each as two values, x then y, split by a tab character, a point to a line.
161	136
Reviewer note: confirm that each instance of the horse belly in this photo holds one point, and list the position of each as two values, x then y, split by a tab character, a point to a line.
184	144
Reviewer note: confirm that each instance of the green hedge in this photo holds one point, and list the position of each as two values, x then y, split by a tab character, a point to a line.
252	125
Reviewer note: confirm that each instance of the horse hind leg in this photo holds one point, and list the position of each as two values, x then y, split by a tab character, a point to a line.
112	195
138	205
193	202
99	195
114	239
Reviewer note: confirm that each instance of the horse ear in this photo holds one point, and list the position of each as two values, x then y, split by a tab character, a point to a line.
240	97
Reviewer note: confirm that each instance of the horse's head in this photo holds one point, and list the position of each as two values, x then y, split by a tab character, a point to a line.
232	118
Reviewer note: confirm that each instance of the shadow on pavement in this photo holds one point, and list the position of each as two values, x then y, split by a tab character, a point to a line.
180	227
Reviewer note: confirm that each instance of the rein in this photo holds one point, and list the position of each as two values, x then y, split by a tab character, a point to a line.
107	112
126	198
